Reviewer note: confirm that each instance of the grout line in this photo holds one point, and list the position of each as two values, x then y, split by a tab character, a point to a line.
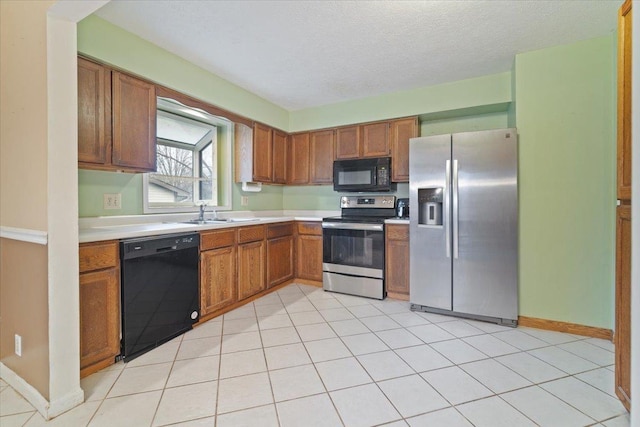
303	297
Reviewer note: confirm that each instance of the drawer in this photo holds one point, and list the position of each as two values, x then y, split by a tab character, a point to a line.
279	230
397	232
217	239
314	228
96	256
250	234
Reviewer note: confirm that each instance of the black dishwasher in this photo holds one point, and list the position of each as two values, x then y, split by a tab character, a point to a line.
159	292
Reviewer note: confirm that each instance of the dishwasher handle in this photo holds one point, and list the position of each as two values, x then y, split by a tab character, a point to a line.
148	246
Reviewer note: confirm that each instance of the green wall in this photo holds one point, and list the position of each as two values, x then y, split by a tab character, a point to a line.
565	112
102	40
97	38
561	99
461	98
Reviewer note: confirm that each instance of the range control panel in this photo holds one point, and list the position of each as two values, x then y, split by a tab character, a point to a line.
347	202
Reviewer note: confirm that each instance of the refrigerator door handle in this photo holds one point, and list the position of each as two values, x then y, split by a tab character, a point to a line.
447	208
455	209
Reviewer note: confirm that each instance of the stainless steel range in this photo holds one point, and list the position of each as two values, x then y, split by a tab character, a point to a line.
353	246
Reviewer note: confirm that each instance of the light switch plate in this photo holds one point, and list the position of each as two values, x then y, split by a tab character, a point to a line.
244	200
112	201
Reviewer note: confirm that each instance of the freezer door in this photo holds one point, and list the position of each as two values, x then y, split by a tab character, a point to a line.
485	223
430	250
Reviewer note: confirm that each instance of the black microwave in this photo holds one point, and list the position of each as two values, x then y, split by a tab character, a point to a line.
363	175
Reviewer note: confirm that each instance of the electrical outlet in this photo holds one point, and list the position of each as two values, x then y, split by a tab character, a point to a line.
244	200
112	201
18	345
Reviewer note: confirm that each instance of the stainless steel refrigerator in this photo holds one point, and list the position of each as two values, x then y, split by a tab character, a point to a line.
464	227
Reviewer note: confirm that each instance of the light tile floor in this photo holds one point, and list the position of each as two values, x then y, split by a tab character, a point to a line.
304	357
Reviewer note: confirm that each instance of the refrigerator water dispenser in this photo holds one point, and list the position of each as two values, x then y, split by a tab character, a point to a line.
430	206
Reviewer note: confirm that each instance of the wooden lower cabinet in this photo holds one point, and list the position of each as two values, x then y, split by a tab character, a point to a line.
280	258
309	251
623	305
251	269
99	305
397	259
217	279
280	253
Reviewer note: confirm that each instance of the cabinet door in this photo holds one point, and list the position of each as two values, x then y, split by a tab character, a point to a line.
94	113
251	277
298	162
279	175
321	148
99	316
262	153
279	260
375	140
397	259
624	101
348	142
401	131
623	305
217	279
134	123
309	257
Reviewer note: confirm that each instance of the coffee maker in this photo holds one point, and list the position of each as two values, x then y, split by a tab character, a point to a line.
402	208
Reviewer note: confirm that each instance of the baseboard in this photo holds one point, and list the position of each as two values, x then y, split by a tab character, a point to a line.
47	409
308	282
27	391
398	296
65	403
571	328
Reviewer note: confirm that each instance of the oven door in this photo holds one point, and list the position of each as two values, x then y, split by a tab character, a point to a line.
352	176
353	259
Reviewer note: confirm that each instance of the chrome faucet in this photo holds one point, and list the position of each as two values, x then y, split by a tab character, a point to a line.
202	212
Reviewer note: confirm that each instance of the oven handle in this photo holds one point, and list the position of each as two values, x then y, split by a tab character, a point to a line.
350	226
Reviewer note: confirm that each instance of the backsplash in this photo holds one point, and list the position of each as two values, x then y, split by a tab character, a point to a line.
93	184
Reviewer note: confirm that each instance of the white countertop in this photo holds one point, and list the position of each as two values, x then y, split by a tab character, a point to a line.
397	221
116	228
128	231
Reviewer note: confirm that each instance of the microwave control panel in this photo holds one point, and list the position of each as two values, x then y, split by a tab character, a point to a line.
383	175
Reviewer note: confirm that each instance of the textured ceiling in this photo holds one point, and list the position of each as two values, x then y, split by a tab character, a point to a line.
300	54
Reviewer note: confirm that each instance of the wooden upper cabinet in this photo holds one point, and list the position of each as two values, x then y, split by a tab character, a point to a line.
134	123
375	140
348	142
279	174
94	112
624	101
298	159
400	132
321	149
262	153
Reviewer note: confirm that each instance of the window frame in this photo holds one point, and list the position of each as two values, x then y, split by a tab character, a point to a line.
224	129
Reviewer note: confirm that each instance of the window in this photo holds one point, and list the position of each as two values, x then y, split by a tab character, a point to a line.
190	146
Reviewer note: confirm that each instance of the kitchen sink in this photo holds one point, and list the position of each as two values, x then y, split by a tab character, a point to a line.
204	222
218	221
